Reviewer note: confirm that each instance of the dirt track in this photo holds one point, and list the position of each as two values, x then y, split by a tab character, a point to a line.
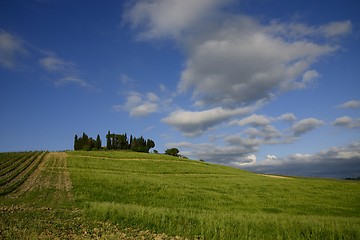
275	176
51	173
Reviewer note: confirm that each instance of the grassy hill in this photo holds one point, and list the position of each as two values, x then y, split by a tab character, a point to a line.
110	194
195	199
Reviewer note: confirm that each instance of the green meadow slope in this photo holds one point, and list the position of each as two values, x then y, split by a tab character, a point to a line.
128	195
199	200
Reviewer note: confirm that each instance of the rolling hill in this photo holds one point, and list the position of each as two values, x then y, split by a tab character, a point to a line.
127	195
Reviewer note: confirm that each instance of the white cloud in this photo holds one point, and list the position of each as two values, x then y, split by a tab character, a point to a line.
350	104
236	140
64	72
11	48
244	61
195	123
144	109
139	105
309	76
254	120
235	155
335	29
306	125
262	132
240	149
246	160
347	122
235	59
52	63
288	117
168	18
258	136
270	158
152	97
262	120
72	80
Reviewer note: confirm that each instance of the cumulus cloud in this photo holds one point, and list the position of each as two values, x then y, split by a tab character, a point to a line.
240	148
262	132
235	155
262	120
287	117
139	105
306	125
309	76
235	59
11	48
254	120
243	61
267	134
194	123
350	104
168	18
335	29
335	162
347	122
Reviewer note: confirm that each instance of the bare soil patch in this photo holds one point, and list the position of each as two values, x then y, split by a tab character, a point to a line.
51	173
32	181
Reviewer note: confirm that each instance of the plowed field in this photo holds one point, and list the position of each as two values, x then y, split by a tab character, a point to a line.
43	207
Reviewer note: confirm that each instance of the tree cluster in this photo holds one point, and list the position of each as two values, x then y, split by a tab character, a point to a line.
86	143
114	142
121	142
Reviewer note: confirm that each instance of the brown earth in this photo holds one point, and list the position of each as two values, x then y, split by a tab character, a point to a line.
36	160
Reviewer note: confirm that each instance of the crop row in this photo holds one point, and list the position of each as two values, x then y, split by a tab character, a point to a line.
7	159
5	156
15	162
20	166
14	178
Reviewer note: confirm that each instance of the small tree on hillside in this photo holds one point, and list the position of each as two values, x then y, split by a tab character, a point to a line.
172	151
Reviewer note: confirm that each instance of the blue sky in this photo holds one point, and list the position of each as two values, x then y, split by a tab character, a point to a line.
264	85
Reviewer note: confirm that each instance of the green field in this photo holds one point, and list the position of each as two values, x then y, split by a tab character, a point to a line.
127	195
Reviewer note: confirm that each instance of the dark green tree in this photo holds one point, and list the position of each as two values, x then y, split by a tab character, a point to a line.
108	141
172	151
98	142
150	144
76	147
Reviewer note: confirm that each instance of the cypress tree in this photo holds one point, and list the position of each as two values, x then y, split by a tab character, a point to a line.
108	141
98	142
76	143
